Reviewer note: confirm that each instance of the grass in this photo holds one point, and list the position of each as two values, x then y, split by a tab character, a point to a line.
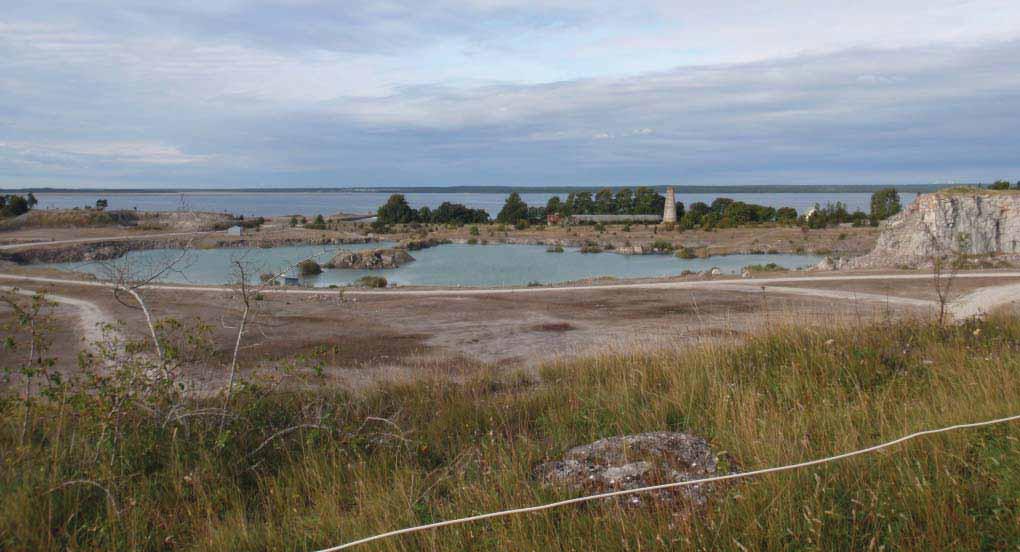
406	454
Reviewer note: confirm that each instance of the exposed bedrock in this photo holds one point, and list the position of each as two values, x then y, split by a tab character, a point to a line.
372	259
946	224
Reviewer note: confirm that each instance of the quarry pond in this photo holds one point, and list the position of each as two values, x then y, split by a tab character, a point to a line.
444	265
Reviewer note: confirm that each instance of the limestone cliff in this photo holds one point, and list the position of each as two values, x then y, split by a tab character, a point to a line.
966	221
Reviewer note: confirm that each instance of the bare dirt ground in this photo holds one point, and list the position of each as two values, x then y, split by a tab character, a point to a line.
920	289
396	337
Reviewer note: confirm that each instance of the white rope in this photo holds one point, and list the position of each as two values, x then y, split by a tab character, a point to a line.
551	505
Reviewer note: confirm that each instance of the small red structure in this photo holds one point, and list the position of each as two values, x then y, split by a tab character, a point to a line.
552	218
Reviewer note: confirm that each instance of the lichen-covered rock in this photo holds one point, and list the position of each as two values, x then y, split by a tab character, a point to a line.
416	245
832	263
968	222
631	250
371	259
632	461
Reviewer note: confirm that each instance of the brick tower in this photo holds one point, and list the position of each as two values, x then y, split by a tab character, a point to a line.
669	211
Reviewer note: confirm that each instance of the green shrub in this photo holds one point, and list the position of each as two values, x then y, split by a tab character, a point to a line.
770	267
663	246
372	282
686	253
309	267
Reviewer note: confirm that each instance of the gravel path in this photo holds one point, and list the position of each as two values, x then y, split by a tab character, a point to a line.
91	318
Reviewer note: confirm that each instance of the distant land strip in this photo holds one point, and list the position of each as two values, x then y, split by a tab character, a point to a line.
695	189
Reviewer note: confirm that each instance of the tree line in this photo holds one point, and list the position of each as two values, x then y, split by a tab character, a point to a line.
1003	185
721	213
397	211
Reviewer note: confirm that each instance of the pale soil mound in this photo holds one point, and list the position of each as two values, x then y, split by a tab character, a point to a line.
182	221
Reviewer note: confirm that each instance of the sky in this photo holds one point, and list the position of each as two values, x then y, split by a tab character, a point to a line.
276	93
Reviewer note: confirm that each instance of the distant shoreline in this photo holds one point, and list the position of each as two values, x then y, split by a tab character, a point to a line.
762	189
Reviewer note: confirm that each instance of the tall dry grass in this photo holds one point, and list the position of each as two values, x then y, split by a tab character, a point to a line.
430	450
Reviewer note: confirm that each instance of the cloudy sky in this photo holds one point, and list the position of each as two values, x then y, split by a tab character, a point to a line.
219	93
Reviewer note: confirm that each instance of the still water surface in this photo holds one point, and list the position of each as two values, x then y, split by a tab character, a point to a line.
447	265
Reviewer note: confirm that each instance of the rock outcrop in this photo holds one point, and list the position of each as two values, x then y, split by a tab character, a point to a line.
632	461
970	222
371	259
417	245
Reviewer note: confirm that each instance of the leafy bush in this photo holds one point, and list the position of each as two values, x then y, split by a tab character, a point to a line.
770	267
686	253
662	246
372	281
309	267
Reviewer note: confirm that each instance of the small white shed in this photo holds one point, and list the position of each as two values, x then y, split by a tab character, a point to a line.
234	231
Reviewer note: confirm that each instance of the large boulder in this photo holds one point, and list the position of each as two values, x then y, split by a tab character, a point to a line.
633	461
964	221
371	259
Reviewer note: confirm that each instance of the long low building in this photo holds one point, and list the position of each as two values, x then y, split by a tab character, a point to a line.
615	218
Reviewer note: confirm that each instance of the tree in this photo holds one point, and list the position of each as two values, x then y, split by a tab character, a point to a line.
648	202
720	204
514	210
396	211
884	204
554	205
32	201
101	204
455	213
425	214
999	185
582	204
786	215
692	218
14	205
624	201
318	223
738	213
605	203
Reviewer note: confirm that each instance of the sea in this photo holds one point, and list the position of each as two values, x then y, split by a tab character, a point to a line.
265	204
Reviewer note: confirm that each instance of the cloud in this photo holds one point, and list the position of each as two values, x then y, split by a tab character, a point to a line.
60	154
507	92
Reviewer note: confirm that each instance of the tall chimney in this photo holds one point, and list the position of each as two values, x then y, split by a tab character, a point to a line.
669	210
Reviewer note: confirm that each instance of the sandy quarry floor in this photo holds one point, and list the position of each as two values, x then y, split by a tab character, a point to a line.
400	336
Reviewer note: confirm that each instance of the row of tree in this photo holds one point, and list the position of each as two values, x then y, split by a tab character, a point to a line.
397	211
1003	185
721	213
12	205
641	201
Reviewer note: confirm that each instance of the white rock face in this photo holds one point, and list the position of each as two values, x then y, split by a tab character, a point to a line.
947	223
